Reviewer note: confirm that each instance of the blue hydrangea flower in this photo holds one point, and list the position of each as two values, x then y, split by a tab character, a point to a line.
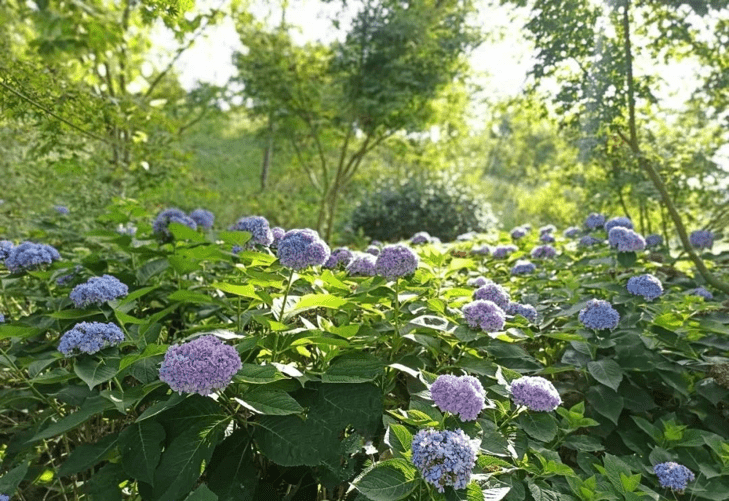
443	457
362	265
172	215
203	218
700	291
4	497
589	241
546	238
98	290
90	337
421	237
543	252
495	293
258	227
66	279
523	268
396	261
340	256
503	251
129	229
595	221
625	222
61	209
625	240
653	240
278	234
479	281
673	476
518	232
2	318
702	239
459	395
647	285
525	310
572	232
373	250
299	249
599	314
536	393
483	250
28	256
550	228
5	247
199	366
484	315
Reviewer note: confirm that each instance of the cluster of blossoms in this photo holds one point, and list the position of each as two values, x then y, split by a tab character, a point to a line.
525	310
200	366
546	238
625	222
479	281
278	234
589	241
494	293
28	256
2	318
484	315
341	256
459	395
61	209
203	218
373	250
599	315
594	221
483	250
673	476
4	497
702	239
444	457
543	252
536	393
362	265
653	240
129	229
518	232
90	337
258	227
167	216
625	240
523	268
299	249
572	232
421	237
5	247
503	251
396	261
646	285
550	228
98	290
700	291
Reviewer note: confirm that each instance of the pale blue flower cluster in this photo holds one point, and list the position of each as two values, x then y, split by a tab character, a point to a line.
340	256
362	265
28	256
653	240
200	366
494	293
203	218
421	237
523	268
503	251
98	290
548	229
4	497
484	315
647	285
518	232
61	209
525	310
373	250
2	318
258	227
546	238
66	279
299	249
444	458
599	315
479	281
172	215
543	252
595	221
128	229
462	395
5	247
278	234
625	240
483	250
572	232
700	291
625	222
702	239
90	337
536	393
673	476
589	241
396	261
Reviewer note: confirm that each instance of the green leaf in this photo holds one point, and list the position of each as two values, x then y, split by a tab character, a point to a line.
389	480
91	407
74	314
239	290
94	372
140	444
399	438
150	350
234	237
104	484
182	232
231	472
158	408
614	468
627	259
85	456
605	402
539	425
630	483
258	374
11	480
152	268
288	441
584	443
310	301
19	331
606	371
355	367
202	493
190	297
270	402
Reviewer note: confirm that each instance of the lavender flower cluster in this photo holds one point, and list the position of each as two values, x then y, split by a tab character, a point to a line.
5	247
701	292
653	240
503	251
523	268
203	218
485	315
396	261
543	252
599	315
494	293
673	476
443	457
647	285
340	256
61	209
595	221
421	237
90	337
299	249
702	239
625	240
278	234
462	395
28	256
483	250
625	222
199	366
525	310
572	232
98	290
548	229
479	281
536	393
2	318
518	232
172	215
362	265
257	226
546	238
373	250
589	241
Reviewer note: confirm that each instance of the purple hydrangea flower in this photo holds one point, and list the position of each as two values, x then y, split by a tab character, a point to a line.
341	256
525	310
28	256
200	366
595	221
421	237
257	226
4	497
673	476
625	222
97	290
459	395
547	229
646	285
373	250
278	234
444	457
543	252
523	268
61	209
536	393
702	239
483	250
599	314
625	240
572	232
589	241
299	249
479	281
653	240
503	251
5	247
396	261
2	318
495	293
547	238
203	218
485	315
700	291
90	337
167	216
362	265
518	232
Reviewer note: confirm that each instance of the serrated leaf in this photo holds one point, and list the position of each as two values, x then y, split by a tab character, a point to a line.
258	374
605	402
353	368
140	445
607	372
269	402
389	480
202	493
231	472
538	425
93	372
399	439
11	480
91	406
85	456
